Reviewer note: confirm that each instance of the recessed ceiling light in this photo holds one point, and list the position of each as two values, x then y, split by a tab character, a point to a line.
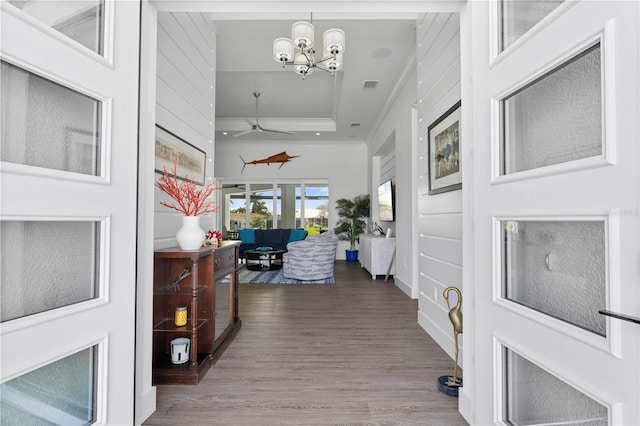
317	133
224	133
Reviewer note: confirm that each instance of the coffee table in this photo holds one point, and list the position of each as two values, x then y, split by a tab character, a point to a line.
263	260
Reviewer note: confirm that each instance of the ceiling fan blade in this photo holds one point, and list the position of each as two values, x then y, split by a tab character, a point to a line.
276	131
242	133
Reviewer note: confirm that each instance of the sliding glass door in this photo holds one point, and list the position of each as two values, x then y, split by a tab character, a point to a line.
267	205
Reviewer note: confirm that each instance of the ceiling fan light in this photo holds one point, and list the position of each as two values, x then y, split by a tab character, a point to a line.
283	49
302	34
334	40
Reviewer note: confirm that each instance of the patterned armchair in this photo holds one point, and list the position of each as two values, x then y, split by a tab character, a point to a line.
310	259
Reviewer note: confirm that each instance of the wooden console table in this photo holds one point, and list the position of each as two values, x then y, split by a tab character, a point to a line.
206	281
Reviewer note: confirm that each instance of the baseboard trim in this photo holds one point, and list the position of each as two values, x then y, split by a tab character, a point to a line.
465	405
145	405
406	288
443	338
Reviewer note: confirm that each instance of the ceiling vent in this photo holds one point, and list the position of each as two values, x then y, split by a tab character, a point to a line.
370	84
354	125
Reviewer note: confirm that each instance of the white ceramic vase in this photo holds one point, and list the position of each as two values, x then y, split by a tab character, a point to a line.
190	236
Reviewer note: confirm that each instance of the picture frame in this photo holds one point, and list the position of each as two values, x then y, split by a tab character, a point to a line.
191	160
443	136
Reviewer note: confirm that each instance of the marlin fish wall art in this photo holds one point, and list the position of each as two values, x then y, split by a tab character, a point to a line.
281	158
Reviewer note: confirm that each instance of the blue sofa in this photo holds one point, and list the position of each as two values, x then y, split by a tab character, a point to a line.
275	238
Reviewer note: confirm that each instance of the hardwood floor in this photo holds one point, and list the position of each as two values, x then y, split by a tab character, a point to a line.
347	353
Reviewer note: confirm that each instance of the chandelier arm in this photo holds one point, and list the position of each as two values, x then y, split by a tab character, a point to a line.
325	70
309	55
325	59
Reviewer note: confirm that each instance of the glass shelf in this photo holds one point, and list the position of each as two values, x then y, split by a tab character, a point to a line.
184	290
168	325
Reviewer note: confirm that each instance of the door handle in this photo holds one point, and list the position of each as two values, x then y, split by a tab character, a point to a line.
623	317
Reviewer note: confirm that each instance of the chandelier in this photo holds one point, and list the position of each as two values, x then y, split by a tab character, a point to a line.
299	49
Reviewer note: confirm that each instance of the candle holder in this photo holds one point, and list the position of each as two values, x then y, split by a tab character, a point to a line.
181	315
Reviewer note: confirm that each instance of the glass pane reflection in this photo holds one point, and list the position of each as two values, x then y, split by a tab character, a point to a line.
518	17
80	20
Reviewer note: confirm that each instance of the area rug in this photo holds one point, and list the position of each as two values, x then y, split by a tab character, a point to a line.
247	276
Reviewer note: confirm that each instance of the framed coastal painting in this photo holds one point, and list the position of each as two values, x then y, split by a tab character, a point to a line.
445	173
191	160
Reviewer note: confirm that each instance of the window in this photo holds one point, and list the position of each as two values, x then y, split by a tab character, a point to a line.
276	205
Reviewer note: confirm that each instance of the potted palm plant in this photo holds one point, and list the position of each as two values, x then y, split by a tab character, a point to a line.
351	223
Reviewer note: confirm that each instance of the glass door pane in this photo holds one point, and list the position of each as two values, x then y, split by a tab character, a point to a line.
80	20
60	393
555	119
558	268
518	17
261	206
233	209
316	208
45	124
223	305
70	274
532	396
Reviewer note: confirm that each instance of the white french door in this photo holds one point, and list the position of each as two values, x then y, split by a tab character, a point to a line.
68	210
556	196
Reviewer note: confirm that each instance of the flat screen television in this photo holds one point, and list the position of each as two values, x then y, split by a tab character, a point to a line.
386	201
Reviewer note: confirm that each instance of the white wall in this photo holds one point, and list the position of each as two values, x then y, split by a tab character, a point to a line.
185	99
439	216
396	127
178	84
343	164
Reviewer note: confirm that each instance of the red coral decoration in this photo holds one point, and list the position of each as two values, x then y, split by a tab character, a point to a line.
190	200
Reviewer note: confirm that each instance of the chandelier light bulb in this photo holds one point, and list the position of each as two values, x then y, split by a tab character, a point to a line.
283	50
302	34
334	41
334	64
301	65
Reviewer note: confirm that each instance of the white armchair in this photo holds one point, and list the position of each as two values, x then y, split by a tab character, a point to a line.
310	259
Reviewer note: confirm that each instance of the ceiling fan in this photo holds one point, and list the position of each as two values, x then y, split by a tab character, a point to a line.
256	127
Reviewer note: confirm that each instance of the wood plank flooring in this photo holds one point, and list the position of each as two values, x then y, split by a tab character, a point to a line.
323	354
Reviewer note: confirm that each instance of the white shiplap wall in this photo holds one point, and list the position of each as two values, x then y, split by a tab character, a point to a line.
388	165
439	216
185	99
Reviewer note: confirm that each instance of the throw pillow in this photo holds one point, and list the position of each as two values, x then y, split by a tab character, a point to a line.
247	236
297	235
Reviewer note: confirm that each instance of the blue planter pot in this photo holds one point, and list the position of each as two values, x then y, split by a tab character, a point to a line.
351	255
